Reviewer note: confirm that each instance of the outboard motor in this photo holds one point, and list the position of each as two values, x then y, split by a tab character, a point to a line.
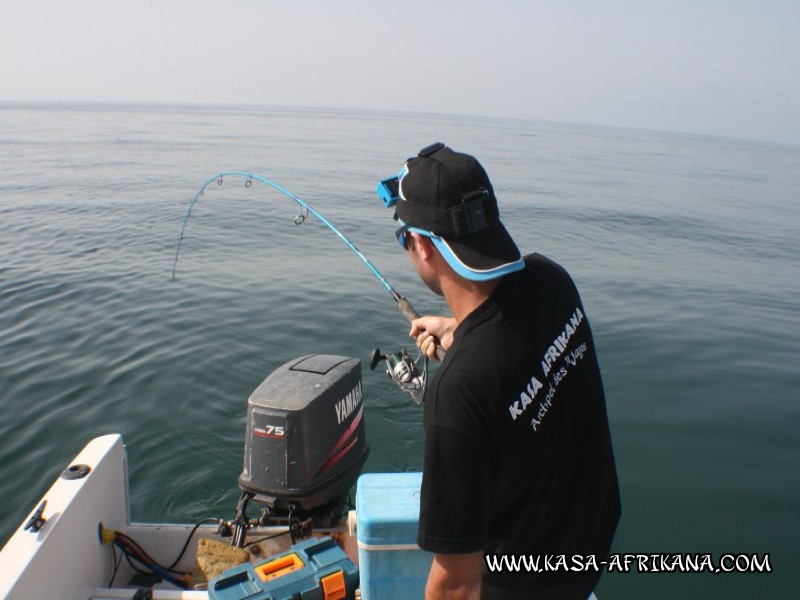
305	443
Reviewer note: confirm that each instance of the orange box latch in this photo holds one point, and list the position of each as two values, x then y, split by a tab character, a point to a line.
333	586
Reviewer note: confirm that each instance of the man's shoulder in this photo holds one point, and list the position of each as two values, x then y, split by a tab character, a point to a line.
540	262
543	275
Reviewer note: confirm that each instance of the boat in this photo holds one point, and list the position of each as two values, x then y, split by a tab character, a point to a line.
304	451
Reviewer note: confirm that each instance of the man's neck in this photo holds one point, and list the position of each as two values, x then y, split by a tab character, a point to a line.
464	296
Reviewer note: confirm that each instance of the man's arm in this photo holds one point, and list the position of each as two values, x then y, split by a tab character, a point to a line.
455	576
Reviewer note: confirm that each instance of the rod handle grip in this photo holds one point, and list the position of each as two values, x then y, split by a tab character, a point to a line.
409	313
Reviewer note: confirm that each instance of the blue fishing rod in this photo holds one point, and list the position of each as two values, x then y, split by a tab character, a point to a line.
395	364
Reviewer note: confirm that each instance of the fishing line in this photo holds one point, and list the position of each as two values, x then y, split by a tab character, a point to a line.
403	304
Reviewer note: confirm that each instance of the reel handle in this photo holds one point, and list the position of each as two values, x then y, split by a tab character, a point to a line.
375	358
409	313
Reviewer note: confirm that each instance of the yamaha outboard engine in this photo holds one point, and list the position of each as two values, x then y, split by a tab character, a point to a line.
305	443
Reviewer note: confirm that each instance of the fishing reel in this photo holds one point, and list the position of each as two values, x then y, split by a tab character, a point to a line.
403	370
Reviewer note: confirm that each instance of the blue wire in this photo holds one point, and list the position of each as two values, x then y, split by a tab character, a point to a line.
302	203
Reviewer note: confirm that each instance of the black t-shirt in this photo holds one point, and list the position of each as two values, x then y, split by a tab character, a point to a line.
518	456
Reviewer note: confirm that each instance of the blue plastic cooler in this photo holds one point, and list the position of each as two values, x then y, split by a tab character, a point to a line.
391	564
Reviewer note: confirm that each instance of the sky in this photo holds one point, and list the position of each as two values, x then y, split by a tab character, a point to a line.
719	67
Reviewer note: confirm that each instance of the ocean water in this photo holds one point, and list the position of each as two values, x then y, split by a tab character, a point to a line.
685	249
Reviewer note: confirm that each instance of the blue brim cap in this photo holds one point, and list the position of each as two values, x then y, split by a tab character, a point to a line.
448	196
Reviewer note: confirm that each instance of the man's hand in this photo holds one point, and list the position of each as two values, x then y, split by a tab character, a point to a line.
455	577
430	331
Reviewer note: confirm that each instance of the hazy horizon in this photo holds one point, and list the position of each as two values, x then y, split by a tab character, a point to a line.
708	67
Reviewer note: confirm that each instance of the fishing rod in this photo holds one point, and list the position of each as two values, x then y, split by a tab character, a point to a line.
402	303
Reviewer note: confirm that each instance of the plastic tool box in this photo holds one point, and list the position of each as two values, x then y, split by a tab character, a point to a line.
316	569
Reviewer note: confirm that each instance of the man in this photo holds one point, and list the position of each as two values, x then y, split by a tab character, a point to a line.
518	457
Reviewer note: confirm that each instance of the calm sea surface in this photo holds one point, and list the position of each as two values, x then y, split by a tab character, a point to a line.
685	250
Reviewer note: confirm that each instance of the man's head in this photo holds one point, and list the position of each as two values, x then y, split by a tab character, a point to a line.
447	197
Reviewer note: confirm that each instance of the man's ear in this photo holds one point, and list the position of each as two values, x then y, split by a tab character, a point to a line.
424	246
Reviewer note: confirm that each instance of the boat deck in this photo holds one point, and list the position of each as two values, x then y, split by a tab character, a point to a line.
64	557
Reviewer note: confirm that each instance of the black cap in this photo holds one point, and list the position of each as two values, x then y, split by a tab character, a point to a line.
449	195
